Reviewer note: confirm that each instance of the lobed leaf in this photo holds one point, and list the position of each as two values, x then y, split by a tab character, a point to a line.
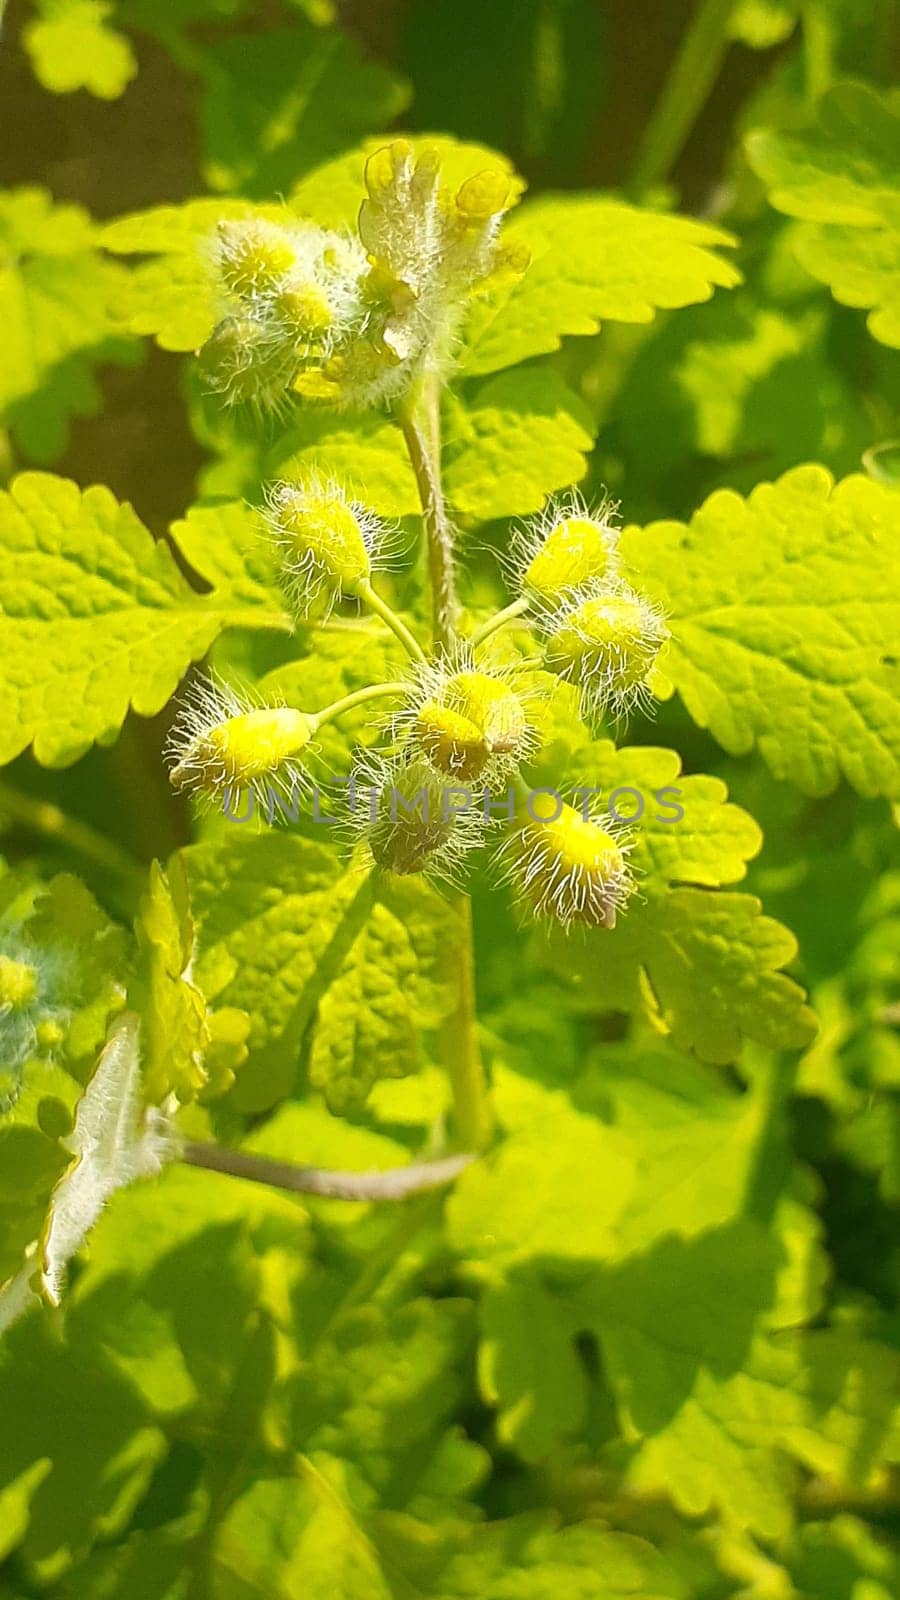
95	618
784	610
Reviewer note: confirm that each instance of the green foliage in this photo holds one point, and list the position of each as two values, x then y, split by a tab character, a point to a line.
97	618
843	180
807	673
637	1335
54	293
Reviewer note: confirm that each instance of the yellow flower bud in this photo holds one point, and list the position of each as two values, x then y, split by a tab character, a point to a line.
566	547
567	867
305	310
411	819
575	550
467	722
219	741
49	1035
253	256
493	707
451	742
18	983
607	641
325	542
484	195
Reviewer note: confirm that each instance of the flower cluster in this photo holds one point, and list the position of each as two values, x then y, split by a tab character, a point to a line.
291	295
352	320
466	720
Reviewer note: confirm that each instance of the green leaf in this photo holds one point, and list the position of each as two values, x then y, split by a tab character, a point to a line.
703	967
54	289
721	392
512	442
529	1367
174	1021
226	546
843	179
592	260
784	610
86	1427
278	104
366	1028
825	1399
761	24
72	47
95	618
361	450
556	1188
278	919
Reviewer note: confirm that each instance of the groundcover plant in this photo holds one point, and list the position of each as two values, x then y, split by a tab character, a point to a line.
450	917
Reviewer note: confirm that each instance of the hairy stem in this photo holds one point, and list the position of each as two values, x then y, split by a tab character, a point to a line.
509	613
460	1047
373	691
398	627
394	1184
694	71
420	422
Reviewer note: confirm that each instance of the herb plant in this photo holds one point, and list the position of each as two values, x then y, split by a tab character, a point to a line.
449	1135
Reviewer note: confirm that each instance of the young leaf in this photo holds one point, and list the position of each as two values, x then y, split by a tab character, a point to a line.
95	618
843	179
784	611
112	1145
174	1021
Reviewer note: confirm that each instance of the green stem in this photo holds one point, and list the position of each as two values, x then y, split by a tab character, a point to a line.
374	691
411	645
695	69
508	614
46	819
420	423
817	49
460	1048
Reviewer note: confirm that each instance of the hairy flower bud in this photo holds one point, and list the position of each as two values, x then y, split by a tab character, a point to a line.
567	546
254	256
411	820
567	867
469	723
606	640
18	983
325	543
220	741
